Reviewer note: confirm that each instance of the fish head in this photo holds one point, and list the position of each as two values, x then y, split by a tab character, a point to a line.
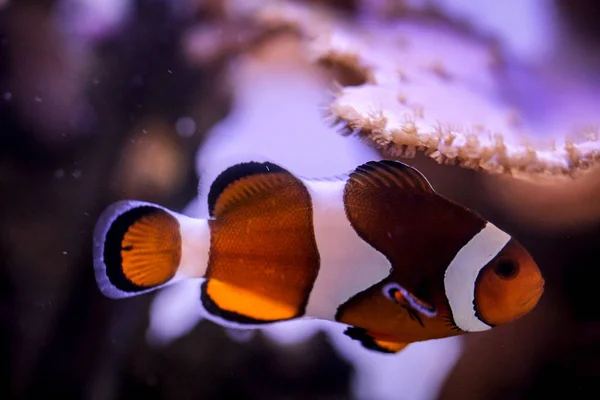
492	280
509	286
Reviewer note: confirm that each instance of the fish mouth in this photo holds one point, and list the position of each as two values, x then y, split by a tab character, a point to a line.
534	297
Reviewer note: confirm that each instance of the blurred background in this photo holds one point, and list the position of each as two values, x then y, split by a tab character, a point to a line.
102	100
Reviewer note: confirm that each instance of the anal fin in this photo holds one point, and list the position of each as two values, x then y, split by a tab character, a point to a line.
390	347
371	343
239	305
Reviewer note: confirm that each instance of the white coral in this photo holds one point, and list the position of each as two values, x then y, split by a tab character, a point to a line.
430	83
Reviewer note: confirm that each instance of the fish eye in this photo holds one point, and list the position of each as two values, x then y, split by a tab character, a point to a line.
390	291
506	268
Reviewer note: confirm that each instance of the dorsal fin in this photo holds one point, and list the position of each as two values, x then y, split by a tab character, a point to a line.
392	207
388	173
253	178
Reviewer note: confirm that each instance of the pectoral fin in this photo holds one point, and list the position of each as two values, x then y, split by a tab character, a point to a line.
369	342
402	296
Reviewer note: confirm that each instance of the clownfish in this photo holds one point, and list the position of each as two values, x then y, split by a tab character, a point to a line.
376	249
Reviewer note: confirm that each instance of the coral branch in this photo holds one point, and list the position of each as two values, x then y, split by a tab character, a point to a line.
419	82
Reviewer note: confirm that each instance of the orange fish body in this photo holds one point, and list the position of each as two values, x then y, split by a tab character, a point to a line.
377	250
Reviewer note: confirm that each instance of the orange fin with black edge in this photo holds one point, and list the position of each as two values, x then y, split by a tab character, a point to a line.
137	248
370	343
392	207
263	259
391	174
390	347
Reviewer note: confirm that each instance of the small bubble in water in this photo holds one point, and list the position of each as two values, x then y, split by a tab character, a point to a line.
37	99
185	126
7	96
76	174
169	71
65	253
145	131
59	173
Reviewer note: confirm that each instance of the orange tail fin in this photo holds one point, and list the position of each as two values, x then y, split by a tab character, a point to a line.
137	248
